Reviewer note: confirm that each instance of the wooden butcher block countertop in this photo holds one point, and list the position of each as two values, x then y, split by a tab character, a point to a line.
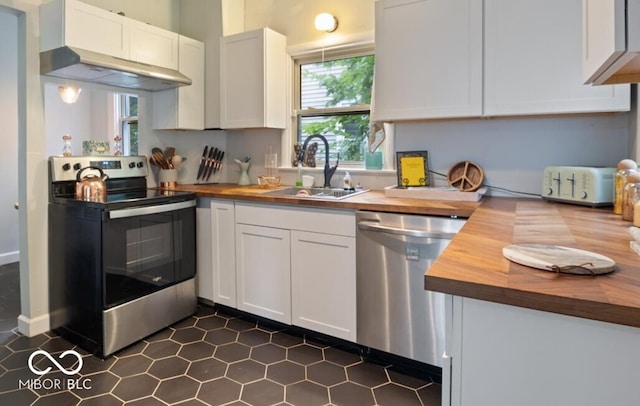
374	200
473	265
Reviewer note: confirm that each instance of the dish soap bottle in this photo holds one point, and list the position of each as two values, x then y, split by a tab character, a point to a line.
299	178
346	182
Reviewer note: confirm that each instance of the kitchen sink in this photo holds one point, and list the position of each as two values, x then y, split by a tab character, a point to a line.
315	193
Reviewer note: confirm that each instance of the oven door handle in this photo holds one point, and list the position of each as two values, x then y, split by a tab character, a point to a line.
144	210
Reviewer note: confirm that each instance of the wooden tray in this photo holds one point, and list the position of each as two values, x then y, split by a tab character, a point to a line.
466	176
556	258
434	193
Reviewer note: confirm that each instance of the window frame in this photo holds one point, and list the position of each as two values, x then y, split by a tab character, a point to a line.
325	55
124	120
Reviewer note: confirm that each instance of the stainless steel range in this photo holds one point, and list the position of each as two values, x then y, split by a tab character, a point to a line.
123	267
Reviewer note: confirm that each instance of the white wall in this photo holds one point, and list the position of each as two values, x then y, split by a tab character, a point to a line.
9	241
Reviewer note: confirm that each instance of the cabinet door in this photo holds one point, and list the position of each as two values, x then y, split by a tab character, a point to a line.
323	279
428	59
603	34
204	250
153	45
223	250
202	19
253	81
533	61
263	269
95	29
183	108
563	354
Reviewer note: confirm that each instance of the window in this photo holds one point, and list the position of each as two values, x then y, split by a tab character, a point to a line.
127	110
332	98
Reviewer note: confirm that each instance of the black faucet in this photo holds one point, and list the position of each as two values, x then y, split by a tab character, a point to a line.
328	170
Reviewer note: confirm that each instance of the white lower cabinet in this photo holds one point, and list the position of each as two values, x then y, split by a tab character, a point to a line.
323	283
297	266
204	259
263	269
223	252
502	355
216	261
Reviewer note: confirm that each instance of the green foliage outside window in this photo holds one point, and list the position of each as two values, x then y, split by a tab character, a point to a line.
348	82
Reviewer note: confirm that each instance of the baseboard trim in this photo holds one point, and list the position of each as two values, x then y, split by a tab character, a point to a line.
32	327
9	257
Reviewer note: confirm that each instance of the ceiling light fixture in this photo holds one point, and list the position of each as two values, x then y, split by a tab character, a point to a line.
69	94
326	22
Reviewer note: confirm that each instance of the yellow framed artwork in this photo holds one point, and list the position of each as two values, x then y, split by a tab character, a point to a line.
412	168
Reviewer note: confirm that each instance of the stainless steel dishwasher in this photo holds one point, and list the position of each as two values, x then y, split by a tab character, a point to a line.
395	314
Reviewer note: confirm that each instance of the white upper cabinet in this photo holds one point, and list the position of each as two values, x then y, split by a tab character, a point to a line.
183	108
202	20
467	58
533	61
77	24
611	35
253	80
428	59
153	46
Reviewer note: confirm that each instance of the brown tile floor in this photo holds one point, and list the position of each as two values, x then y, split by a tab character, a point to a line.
208	359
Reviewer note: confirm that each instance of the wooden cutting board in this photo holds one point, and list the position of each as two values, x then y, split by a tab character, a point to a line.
556	258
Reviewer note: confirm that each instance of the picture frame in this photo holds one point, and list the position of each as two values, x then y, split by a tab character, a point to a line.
412	168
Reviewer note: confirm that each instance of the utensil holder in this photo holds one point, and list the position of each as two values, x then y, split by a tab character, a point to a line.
168	178
244	174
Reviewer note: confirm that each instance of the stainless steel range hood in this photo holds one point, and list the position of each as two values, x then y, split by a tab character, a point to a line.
87	66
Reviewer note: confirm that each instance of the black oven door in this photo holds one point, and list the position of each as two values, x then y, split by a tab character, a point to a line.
146	249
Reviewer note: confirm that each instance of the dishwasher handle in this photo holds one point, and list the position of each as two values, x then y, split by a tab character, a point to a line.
377	227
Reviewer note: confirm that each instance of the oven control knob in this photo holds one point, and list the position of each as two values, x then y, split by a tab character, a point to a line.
66	167
549	191
132	165
584	194
140	164
77	167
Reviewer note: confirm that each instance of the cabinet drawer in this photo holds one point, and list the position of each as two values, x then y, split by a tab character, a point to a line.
328	221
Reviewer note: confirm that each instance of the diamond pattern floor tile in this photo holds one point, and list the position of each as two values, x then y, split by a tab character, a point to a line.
212	358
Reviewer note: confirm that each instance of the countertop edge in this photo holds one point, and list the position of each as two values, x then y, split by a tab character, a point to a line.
568	306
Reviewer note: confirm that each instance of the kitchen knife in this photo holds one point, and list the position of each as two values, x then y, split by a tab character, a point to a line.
216	162
203	161
210	162
220	161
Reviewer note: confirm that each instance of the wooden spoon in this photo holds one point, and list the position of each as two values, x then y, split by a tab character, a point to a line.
158	156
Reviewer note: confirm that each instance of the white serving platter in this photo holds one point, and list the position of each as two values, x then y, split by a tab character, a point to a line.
556	258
